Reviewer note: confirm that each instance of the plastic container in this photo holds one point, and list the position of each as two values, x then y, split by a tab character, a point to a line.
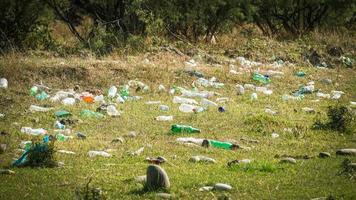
163	108
98	153
88	99
254	96
112	91
3	83
261	78
61	137
219	144
240	90
32	131
176	128
59	125
68	101
206	103
34	108
42	96
164	118
33	90
112	111
177	99
187	108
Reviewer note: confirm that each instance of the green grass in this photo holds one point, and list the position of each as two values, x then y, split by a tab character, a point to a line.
264	178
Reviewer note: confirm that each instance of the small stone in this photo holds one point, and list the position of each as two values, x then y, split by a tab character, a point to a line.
222	186
206	188
164	195
346	152
132	134
3	148
202	159
118	140
324	155
157	178
141	179
7	171
288	160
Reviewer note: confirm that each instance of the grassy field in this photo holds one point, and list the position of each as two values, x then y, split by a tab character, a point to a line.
264	178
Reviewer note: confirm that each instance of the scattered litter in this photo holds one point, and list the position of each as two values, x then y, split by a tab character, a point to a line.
176	128
219	144
187	108
261	78
308	110
164	118
163	108
137	152
207	103
32	131
111	111
222	187
274	135
197	141
202	159
98	153
34	108
68	101
152	102
177	99
3	83
254	96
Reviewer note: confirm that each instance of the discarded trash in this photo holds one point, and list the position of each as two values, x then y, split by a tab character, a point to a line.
208	83
159	160
187	108
68	101
62	114
137	152
62	138
261	78
269	111
7	171
197	141
164	118
336	94
161	88
176	128
59	125
219	144
111	111
88	99
163	108
246	63
274	135
254	96
35	132
222	187
81	135
98	153
202	159
300	74
152	102
235	162
288	160
66	152
308	110
112	91
3	83
42	96
207	103
221	109
177	99
192	94
89	113
34	108
33	90
264	90
287	97
322	95
240	90
347	61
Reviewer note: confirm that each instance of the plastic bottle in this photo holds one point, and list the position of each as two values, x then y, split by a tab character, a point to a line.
261	78
254	96
164	118
187	108
31	131
34	108
219	144
206	103
197	141
300	74
33	90
176	128
59	125
61	137
177	99
81	135
124	92
111	111
42	96
119	99
3	83
99	98
112	91
89	113
88	99
68	101
240	90
163	108
98	153
161	88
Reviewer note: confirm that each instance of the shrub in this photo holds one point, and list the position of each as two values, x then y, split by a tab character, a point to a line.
339	119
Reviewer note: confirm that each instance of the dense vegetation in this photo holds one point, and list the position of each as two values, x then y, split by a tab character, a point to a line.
104	25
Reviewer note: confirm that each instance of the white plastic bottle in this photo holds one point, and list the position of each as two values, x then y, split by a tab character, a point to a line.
177	99
206	103
187	108
31	131
99	153
164	118
112	91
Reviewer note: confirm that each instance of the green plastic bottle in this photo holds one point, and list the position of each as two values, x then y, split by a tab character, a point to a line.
261	78
61	137
124	92
219	144
34	90
42	96
89	113
176	128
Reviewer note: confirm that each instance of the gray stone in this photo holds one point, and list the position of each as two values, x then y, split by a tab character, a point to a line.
164	195
288	160
324	155
222	186
347	152
141	179
157	178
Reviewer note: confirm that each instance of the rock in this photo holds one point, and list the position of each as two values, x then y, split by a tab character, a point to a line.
157	178
236	162
324	155
288	160
3	148
164	195
141	179
350	152
7	171
222	187
118	140
202	159
206	188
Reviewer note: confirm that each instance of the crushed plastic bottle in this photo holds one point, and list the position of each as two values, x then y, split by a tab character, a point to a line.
99	99
124	92
33	90
164	118
81	135
176	128
254	96
62	137
240	90
34	108
323	95
98	153
88	99
197	141
191	94
219	144
59	125
163	108
68	101
112	111
32	131
89	114
177	99
188	108
261	78
3	83
207	103
42	96
287	97
336	94
112	91
119	99
300	74
62	114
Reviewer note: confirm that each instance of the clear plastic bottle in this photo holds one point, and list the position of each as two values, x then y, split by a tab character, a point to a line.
112	91
164	118
32	131
206	103
177	99
3	83
187	108
98	153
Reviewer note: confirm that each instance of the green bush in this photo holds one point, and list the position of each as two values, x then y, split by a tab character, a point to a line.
339	119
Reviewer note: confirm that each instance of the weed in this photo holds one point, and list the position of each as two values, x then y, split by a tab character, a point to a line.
89	193
339	119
